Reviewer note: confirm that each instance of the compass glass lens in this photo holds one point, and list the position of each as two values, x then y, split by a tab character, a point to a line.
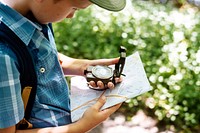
102	72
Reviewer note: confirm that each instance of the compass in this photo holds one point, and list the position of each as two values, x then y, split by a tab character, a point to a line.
105	73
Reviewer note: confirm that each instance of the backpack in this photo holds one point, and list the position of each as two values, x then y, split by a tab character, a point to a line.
28	77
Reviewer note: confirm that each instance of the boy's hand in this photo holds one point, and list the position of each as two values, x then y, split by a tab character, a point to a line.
94	115
106	62
100	84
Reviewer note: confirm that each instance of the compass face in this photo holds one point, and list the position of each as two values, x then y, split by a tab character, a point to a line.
102	72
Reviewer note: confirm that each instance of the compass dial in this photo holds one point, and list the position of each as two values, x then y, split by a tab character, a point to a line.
102	72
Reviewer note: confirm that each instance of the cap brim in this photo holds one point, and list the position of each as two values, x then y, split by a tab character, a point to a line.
111	5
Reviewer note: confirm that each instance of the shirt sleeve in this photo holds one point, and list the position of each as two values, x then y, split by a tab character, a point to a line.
11	104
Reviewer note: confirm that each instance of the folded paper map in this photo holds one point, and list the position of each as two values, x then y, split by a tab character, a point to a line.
134	83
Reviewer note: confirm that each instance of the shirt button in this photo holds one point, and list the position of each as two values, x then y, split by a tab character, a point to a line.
42	70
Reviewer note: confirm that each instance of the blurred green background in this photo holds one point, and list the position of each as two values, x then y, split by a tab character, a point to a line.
168	40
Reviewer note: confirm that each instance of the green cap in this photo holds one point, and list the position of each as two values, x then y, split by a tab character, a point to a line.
112	5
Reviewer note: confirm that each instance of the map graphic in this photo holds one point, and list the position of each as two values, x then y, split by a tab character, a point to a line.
134	83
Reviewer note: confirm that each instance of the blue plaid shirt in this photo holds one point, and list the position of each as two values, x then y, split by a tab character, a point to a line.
51	107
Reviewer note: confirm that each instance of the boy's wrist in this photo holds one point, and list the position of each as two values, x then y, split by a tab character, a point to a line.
82	126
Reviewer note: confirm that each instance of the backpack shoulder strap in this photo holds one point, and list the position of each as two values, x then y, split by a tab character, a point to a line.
28	77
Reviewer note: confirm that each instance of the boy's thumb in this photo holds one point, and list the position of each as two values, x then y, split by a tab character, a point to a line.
100	102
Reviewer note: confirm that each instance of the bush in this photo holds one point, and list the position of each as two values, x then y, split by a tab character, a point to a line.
168	42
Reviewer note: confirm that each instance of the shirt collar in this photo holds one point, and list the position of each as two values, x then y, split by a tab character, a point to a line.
19	24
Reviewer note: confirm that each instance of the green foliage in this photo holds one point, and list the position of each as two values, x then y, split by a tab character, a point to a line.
168	41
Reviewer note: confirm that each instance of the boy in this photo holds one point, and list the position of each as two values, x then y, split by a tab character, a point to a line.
29	19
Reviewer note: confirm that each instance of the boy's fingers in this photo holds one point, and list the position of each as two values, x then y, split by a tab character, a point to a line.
105	61
118	80
111	85
100	85
112	109
101	101
93	84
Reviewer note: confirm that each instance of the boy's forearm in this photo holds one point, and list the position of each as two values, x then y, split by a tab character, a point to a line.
80	126
77	127
72	66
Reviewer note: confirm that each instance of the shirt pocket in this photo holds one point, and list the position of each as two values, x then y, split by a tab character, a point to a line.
46	67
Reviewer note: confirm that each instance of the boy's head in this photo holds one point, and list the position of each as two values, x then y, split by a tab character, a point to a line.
46	11
112	5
